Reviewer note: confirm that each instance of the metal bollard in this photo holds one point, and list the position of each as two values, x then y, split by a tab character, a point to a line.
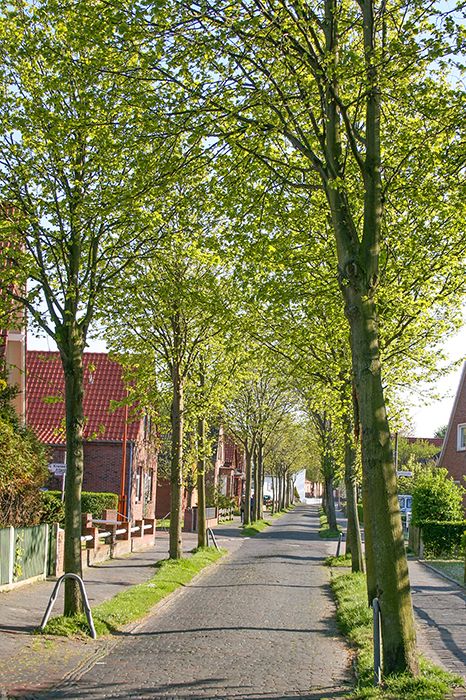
86	605
210	534
377	642
340	536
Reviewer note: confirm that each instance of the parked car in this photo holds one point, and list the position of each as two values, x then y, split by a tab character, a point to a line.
267	499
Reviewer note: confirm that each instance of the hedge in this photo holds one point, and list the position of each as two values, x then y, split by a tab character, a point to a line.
443	538
91	502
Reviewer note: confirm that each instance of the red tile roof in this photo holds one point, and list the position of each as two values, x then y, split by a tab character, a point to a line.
103	384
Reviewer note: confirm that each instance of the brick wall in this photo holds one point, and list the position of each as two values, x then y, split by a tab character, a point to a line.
451	458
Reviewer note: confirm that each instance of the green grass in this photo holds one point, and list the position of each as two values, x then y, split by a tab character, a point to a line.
355	621
135	602
163	523
453	568
342	560
326	532
261	525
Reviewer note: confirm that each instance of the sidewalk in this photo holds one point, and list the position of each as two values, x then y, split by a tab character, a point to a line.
440	613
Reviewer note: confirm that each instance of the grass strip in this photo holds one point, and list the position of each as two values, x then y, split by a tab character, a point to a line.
325	531
453	568
355	621
136	601
261	525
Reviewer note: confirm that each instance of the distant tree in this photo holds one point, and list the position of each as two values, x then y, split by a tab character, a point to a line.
441	431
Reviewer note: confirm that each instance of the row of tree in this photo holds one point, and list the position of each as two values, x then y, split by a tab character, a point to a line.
205	182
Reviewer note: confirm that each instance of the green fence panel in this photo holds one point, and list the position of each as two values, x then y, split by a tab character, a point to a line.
30	552
4	555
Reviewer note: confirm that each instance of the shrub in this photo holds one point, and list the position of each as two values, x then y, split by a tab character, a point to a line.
442	538
96	503
23	471
53	508
436	497
91	502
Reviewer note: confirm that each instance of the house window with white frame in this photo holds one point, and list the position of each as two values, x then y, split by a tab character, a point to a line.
461	437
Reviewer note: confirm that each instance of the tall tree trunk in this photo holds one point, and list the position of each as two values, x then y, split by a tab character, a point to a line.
176	475
256	487
71	353
383	517
273	494
247	505
201	469
354	531
330	512
358	270
260	481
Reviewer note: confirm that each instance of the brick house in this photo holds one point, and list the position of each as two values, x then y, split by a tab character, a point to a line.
453	455
229	466
119	454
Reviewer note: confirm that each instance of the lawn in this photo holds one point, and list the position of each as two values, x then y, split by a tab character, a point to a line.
355	621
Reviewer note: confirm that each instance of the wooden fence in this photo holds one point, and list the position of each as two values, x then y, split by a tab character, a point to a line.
23	554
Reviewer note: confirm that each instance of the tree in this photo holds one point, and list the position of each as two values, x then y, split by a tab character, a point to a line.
74	172
303	88
165	317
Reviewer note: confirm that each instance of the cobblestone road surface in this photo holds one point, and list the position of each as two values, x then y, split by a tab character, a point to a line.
259	625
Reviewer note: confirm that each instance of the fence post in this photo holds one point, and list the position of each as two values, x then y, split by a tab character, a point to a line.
377	642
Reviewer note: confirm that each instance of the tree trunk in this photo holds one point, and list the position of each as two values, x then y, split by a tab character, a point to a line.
382	516
330	512
72	361
256	487
354	531
176	475
248	486
273	494
260	482
201	468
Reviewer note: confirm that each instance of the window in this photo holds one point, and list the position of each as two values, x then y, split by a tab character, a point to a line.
139	485
461	437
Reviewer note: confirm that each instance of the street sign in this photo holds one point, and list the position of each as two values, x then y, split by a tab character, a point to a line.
57	468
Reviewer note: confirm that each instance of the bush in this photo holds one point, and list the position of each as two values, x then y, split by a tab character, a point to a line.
23	471
442	538
436	497
96	503
53	508
91	502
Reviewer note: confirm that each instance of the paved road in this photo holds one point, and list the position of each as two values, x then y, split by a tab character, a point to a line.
259	625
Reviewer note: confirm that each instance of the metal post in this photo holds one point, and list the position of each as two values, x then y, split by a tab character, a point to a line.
377	642
339	544
210	534
86	605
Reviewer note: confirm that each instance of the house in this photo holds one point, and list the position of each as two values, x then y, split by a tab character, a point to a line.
229	467
119	452
453	455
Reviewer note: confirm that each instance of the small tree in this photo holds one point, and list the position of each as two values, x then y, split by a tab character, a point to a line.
436	497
